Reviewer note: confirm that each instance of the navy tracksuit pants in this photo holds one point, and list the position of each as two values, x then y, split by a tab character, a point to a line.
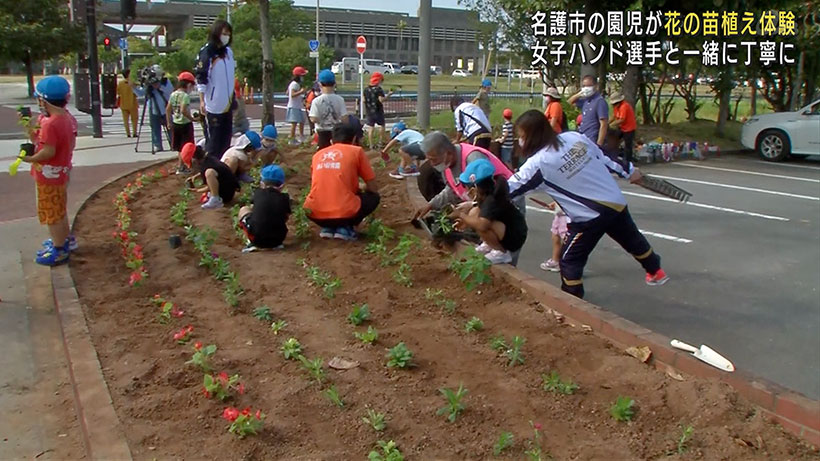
582	238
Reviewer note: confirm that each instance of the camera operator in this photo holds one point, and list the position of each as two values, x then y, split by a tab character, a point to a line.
157	90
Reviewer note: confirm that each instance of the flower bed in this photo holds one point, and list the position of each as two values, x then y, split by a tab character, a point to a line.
442	362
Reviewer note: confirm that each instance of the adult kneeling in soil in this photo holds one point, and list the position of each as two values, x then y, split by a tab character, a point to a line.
496	220
335	202
220	182
578	176
265	220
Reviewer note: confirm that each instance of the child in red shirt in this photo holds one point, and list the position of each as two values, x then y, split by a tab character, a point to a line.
51	164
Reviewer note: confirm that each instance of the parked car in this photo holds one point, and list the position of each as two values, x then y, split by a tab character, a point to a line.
392	68
435	70
515	73
782	134
336	68
410	69
374	65
502	72
461	73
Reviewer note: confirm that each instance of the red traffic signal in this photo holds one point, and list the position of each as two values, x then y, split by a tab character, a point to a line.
107	43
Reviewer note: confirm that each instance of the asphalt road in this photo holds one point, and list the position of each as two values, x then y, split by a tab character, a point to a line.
743	257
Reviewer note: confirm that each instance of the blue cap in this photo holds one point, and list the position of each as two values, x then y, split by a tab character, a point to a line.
476	171
270	132
486	82
326	77
273	174
53	88
254	139
397	128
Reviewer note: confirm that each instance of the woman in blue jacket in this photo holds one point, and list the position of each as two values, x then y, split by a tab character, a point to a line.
215	81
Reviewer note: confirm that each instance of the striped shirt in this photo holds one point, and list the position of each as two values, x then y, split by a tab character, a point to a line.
508	138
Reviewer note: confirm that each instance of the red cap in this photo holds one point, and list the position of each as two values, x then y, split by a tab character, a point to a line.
187	153
507	113
376	78
299	70
186	77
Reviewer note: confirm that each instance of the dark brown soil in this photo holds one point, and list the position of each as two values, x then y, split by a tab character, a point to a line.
159	401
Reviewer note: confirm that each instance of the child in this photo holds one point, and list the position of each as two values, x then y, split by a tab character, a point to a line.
241	157
265	220
269	152
295	114
220	182
51	164
179	115
507	139
496	220
328	109
409	150
559	234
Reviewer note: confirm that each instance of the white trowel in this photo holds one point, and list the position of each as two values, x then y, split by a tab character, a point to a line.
705	354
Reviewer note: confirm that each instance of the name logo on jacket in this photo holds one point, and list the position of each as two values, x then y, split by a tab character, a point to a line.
575	159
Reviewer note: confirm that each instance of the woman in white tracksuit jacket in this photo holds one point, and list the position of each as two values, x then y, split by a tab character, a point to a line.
215	69
577	175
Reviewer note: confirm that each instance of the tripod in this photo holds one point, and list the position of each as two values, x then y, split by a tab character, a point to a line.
149	94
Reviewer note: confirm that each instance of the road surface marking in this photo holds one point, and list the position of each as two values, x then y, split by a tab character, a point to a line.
804	167
731	186
644	232
709	207
794	178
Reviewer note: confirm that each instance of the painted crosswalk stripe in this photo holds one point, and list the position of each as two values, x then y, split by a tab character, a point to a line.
755	173
709	207
732	186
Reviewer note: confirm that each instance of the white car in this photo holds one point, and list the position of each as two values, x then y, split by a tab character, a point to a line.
372	66
461	73
336	68
392	68
779	135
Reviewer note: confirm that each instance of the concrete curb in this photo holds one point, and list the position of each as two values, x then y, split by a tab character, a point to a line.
103	434
795	412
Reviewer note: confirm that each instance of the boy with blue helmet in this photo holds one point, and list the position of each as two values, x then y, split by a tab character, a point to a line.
265	220
269	152
327	109
409	142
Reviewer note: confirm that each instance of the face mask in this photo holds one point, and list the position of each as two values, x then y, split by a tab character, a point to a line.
521	142
588	90
440	167
225	39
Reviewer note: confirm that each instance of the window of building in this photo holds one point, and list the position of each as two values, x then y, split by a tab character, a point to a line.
450	45
392	43
343	41
330	40
415	45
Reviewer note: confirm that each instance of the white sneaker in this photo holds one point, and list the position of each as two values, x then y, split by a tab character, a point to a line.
550	265
213	202
483	248
499	257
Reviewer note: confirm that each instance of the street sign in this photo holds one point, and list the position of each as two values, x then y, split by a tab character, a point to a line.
361	44
314	45
314	54
123	44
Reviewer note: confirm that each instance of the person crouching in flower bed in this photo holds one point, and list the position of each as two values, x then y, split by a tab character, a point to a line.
242	156
220	182
270	153
265	220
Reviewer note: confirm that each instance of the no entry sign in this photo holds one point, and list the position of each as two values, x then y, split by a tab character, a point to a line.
361	44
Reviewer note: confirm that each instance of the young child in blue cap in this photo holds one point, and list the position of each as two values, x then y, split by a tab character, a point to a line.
493	216
269	153
327	110
242	156
265	220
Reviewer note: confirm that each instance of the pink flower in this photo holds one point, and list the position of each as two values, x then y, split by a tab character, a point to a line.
177	313
241	389
135	278
537	426
258	414
206	393
247	411
230	414
197	345
223	377
181	334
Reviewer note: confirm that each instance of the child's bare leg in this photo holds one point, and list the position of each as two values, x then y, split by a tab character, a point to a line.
370	136
302	129
212	180
293	130
493	235
59	231
245	210
556	247
405	159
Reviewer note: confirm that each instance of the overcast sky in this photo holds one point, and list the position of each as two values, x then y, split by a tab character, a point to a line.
409	7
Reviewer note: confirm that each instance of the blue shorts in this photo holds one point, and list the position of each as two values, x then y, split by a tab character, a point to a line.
506	155
295	115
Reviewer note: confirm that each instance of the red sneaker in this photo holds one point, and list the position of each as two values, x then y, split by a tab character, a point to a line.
658	278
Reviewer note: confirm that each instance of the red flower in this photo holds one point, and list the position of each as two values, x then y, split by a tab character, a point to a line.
223	377
537	426
135	278
176	312
157	296
181	334
189	328
197	345
241	388
128	185
123	235
247	411
258	414
206	393
230	414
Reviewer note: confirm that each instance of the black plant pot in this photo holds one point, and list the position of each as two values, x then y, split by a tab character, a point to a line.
175	241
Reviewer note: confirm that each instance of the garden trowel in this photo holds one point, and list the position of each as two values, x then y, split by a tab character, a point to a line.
705	354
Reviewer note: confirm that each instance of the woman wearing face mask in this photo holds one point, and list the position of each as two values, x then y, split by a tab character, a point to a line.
179	115
215	81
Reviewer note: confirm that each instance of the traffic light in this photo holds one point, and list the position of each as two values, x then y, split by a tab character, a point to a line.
107	43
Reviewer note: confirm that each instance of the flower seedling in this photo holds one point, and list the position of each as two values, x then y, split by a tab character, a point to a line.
454	406
202	356
333	395
399	356
243	423
367	337
375	420
535	452
444	224
553	383
221	386
474	324
314	368
278	326
291	349
504	441
359	315
263	313
169	310
514	351
184	335
437	296
623	409
473	270
301	223
389	452
330	288
498	344
402	275
178	213
684	437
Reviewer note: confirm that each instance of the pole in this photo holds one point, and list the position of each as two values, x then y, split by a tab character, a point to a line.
228	11
93	68
423	99
361	85
317	39
124	53
509	74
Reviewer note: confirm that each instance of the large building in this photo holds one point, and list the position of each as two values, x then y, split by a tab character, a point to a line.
394	37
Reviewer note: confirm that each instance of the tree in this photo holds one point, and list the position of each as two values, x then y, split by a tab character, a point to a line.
34	30
401	25
267	63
